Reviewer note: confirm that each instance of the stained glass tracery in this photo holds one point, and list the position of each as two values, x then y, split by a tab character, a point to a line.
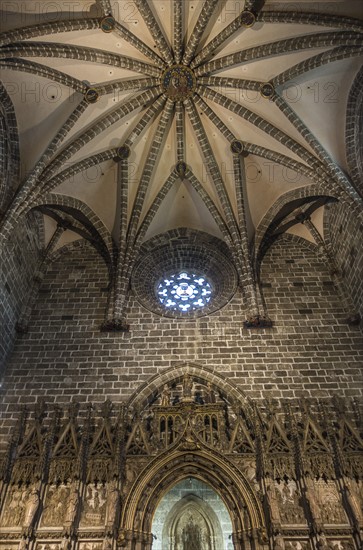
184	291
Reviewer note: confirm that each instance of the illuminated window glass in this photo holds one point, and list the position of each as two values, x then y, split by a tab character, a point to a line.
184	292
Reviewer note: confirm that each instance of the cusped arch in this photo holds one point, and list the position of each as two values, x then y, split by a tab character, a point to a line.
224	477
196	506
147	391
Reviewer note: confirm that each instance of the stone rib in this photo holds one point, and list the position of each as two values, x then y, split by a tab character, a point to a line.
138	44
212	46
105	6
44	49
146	118
155	30
99	127
122	85
9	149
222	226
198	30
336	21
42	29
28	187
316	61
265	126
123	185
239	83
333	169
277	17
180	131
178	30
124	271
153	209
148	170
38	69
212	208
213	168
256	149
319	40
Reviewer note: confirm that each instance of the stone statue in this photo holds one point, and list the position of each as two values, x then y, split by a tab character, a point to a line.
210	396
352	499
113	501
23	544
31	509
314	506
71	509
273	504
165	396
187	387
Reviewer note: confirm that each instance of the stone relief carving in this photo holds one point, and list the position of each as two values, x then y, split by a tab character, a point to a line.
289	501
190	416
55	505
331	508
14	509
94	505
90	546
297	545
31	509
49	546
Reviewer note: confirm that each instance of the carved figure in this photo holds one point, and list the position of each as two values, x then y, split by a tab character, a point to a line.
211	396
353	501
23	544
71	509
187	387
14	510
107	544
314	506
274	507
322	543
112	506
279	543
31	509
165	396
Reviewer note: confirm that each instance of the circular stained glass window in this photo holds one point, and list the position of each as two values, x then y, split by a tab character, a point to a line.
184	292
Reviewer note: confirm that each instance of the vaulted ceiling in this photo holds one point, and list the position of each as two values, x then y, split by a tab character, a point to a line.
127	119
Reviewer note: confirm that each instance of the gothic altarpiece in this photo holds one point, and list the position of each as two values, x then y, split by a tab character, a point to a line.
289	475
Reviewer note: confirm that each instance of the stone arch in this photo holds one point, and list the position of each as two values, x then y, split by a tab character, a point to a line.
146	392
353	132
205	465
199	507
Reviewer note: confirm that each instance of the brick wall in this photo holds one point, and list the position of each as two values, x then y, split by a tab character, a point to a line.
18	261
346	235
310	351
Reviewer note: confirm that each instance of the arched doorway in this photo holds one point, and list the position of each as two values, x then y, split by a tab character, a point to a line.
191	516
177	434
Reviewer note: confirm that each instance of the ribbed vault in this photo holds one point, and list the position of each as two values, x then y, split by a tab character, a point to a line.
158	115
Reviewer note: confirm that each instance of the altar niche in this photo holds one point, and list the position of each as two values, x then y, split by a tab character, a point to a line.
191	516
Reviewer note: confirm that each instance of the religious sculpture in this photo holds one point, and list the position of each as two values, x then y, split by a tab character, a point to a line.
113	502
187	387
31	509
210	395
71	510
279	543
165	396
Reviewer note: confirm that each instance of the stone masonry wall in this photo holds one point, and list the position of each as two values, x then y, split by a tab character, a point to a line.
17	265
310	351
346	234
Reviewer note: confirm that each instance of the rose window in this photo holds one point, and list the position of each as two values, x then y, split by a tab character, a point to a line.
184	292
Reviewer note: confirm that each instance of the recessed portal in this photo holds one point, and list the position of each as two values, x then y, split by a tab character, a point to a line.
192	516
